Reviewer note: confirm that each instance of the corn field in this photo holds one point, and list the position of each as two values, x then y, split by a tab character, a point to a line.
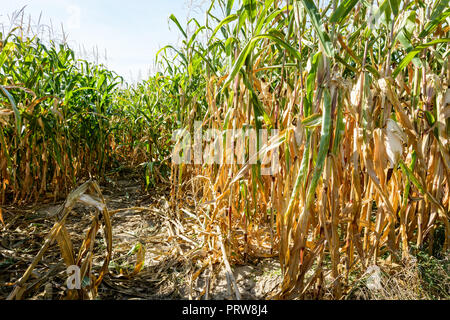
63	119
357	92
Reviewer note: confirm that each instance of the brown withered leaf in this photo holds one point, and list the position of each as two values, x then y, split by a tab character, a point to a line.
1	217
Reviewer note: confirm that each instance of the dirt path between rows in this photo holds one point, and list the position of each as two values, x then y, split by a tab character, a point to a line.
142	220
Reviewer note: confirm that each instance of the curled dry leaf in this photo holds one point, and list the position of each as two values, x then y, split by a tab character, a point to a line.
84	257
4	115
380	156
91	201
447	97
299	132
355	94
1	216
393	142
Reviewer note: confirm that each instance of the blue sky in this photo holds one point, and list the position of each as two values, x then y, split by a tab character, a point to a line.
130	31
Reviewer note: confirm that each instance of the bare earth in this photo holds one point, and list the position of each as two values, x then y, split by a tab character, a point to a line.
167	271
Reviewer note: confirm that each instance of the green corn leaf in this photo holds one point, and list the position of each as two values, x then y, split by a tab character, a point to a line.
411	177
394	5
229	6
312	121
301	175
432	25
340	127
175	20
407	171
250	8
323	147
343	10
262	17
441	6
15	109
257	106
311	83
408	185
177	51
222	23
406	60
314	15
266	21
249	47
6	51
194	36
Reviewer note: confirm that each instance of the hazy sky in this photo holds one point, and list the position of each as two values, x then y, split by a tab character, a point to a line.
130	31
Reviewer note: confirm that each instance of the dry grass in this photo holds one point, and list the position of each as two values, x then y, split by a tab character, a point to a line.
414	279
364	155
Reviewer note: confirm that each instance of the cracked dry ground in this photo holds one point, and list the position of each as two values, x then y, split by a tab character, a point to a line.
172	254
